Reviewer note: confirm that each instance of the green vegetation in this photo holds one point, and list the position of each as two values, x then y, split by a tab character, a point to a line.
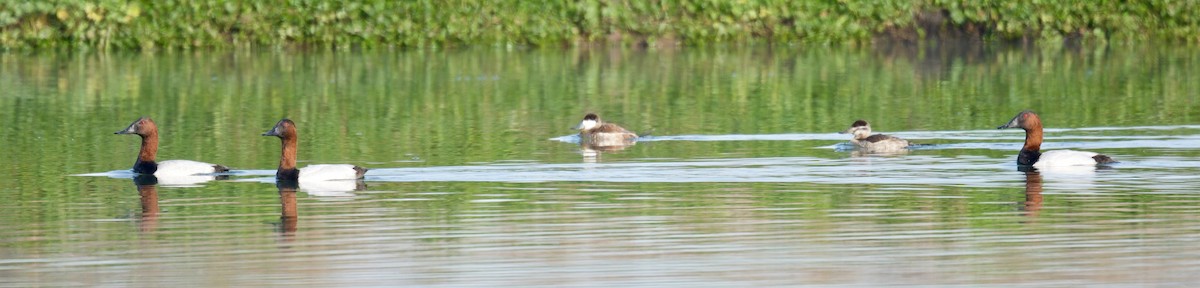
173	24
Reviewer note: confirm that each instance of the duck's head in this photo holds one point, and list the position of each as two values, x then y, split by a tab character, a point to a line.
860	129
283	129
1024	120
589	121
142	127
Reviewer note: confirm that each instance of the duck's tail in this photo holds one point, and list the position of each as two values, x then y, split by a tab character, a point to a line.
217	168
359	172
1103	159
645	133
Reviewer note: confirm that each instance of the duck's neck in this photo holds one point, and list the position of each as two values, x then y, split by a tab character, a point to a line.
1033	139
1033	147
145	162
287	161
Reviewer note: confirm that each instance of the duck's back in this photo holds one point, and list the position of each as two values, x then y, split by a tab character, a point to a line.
610	132
1066	158
324	172
609	128
608	135
883	143
187	167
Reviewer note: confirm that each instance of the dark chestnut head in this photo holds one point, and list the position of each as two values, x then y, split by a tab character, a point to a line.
142	126
283	129
1024	120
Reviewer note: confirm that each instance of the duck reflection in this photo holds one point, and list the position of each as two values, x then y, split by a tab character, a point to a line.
188	180
288	216
330	188
147	187
591	152
1033	193
858	153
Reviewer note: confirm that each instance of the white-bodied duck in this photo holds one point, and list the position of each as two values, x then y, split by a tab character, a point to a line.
286	131
1031	153
861	137
146	164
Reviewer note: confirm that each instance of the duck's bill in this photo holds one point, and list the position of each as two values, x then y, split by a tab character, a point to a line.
1014	123
128	130
273	132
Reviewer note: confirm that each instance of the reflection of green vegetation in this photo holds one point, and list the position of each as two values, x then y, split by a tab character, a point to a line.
480	106
183	24
225	216
459	107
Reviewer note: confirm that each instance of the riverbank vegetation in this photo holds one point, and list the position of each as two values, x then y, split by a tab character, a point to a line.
174	24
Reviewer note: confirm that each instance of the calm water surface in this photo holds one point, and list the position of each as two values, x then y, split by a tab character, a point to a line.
477	180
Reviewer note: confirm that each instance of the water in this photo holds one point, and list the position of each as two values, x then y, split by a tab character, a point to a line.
476	179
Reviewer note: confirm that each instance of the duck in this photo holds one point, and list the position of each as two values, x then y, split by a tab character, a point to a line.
146	164
1031	154
862	139
286	131
596	133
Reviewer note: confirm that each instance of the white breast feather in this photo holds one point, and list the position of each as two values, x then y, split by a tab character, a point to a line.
1066	158
324	172
183	168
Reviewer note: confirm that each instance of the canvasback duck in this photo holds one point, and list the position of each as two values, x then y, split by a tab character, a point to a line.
596	133
145	163
1031	153
861	137
286	131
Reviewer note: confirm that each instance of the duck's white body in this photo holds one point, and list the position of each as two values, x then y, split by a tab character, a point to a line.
325	172
184	168
1059	158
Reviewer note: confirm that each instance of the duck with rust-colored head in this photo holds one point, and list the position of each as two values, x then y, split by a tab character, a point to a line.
145	164
862	139
597	133
286	131
1031	154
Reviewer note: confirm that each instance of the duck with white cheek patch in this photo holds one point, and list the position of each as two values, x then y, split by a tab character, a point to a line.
862	139
596	133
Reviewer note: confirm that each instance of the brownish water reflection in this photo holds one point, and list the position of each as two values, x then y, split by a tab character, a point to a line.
147	187
1033	193
288	215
